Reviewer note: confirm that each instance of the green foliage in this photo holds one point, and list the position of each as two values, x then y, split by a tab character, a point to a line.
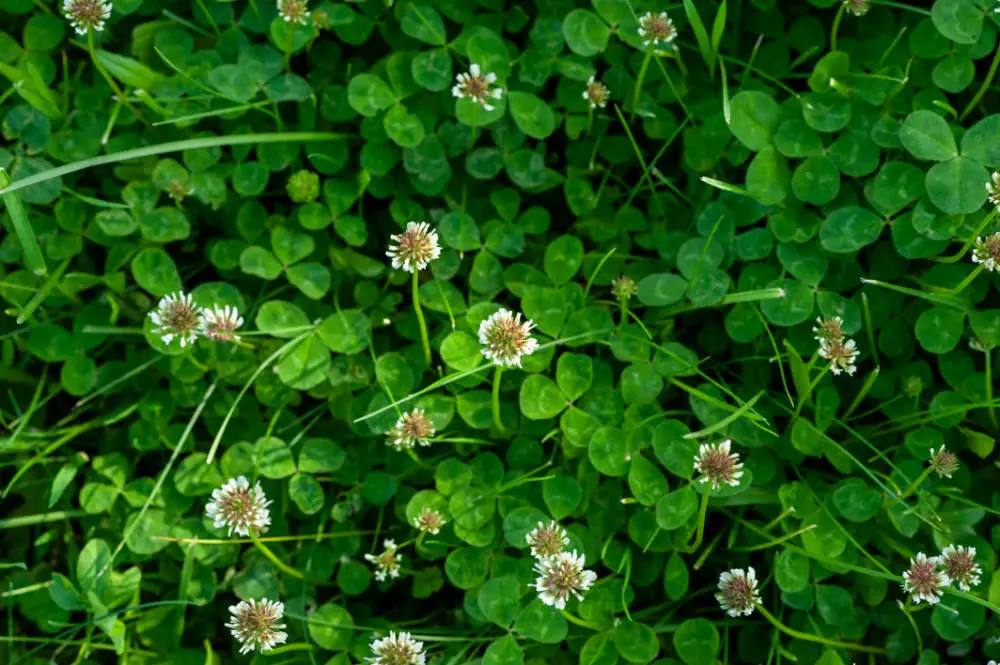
779	231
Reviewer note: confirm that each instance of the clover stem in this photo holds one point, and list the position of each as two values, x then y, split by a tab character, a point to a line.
107	77
989	386
289	47
984	87
916	483
799	635
424	339
965	282
572	618
836	26
702	514
274	559
496	398
639	80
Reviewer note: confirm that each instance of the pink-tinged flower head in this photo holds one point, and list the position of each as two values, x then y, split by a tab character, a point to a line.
924	580
294	11
255	624
387	563
429	521
738	594
987	252
505	338
477	86
220	323
562	576
655	28
959	564
86	15
718	465
412	428
546	541
858	7
397	649
239	507
841	353
944	462
176	316
414	248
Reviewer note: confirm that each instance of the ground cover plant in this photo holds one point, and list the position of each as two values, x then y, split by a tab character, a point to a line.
442	331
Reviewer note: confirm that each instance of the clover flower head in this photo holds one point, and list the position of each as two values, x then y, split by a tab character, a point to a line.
86	15
547	540
993	186
506	339
239	507
623	288
987	252
412	428
718	464
255	624
655	28
738	594
858	7
959	563
562	576
220	323
397	649
828	330
477	86
176	316
944	462
303	186
429	521
387	563
596	93
294	11
924	581
841	353
414	248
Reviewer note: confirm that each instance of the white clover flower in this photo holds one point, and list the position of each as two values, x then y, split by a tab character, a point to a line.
858	7
959	563
655	28
255	624
414	248
561	576
387	563
944	462
546	541
738	594
505	338
397	649
294	11
220	323
987	252
429	521
85	15
476	86
718	465
176	315
596	93
841	354
412	428
923	581
828	330
239	507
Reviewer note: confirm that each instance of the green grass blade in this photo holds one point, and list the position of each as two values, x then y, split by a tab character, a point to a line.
171	146
718	28
42	293
700	34
33	259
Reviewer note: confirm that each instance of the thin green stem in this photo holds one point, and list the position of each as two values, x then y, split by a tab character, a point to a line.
496	398
424	339
639	81
836	26
107	77
275	560
572	618
702	516
964	283
776	541
989	386
799	635
916	483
